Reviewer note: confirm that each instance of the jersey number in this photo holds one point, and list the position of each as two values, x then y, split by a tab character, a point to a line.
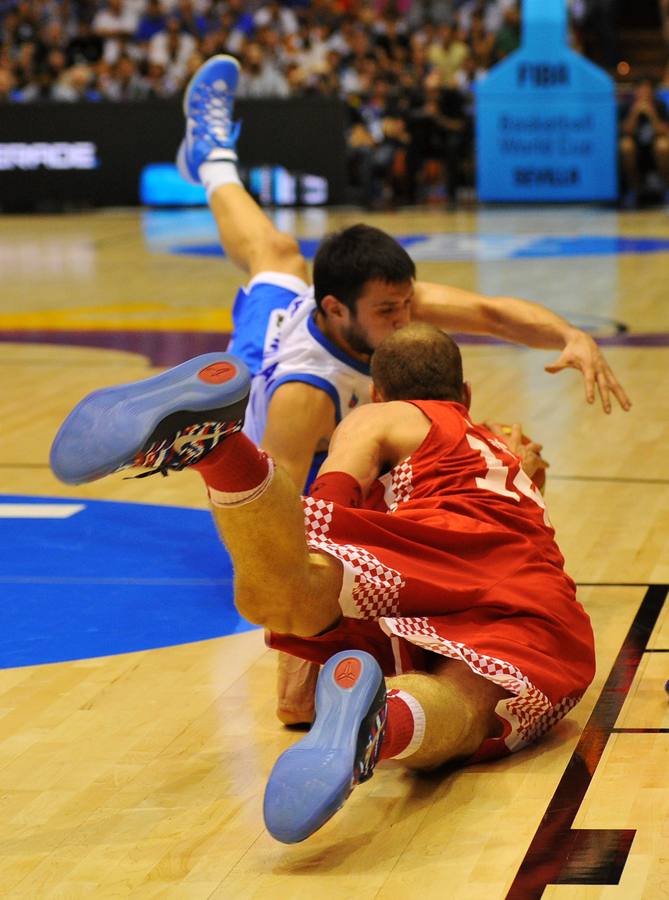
496	476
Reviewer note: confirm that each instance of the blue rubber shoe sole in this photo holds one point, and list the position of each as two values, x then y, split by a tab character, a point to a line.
109	427
311	780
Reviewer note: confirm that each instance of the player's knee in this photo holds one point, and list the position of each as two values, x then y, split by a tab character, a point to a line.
279	251
284	244
272	606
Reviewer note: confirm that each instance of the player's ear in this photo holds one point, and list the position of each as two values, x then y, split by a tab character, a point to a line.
332	307
375	394
466	394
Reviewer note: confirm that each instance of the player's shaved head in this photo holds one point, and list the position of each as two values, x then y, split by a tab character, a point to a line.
418	362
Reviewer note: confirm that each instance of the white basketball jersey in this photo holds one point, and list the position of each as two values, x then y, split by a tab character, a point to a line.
297	350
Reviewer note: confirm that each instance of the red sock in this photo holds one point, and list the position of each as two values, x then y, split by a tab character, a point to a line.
339	487
405	726
236	471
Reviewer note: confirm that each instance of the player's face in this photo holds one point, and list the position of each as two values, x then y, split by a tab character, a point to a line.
381	309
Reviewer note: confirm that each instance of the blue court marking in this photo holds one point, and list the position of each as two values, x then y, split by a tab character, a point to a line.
449	247
108	578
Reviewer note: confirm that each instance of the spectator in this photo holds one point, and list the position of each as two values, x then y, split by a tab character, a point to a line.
151	23
447	53
259	77
644	141
86	46
171	49
391	38
124	82
277	17
602	21
25	29
115	25
440	130
76	84
663	86
376	135
156	81
8	93
239	23
481	41
25	66
508	37
191	21
492	12
664	17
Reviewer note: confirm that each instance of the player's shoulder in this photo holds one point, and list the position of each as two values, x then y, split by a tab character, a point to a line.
386	418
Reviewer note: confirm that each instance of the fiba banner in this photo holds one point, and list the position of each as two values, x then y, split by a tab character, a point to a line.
57	156
546	119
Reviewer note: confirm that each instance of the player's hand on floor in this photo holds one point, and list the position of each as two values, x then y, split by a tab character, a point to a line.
581	352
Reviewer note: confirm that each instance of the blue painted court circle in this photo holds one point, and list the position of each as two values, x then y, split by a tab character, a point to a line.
86	578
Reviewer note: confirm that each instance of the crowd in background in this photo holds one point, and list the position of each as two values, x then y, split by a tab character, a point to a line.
406	69
133	49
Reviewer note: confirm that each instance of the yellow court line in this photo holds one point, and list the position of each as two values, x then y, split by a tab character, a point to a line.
133	317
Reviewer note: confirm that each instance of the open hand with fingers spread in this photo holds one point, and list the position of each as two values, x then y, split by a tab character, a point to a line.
581	352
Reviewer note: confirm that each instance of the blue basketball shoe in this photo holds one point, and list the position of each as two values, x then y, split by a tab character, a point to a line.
211	133
312	779
166	422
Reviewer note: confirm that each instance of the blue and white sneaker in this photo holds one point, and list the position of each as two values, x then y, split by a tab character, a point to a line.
166	422
210	132
312	780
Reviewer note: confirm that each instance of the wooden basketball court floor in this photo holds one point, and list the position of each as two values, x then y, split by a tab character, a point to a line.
141	774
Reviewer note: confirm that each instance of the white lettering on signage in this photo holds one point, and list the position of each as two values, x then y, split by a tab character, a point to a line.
59	155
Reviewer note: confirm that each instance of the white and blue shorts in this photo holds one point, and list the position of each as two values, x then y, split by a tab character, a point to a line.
252	309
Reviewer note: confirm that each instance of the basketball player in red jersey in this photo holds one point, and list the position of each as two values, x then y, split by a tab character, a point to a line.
428	559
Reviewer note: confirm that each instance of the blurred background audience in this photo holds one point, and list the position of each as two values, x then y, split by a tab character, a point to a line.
407	70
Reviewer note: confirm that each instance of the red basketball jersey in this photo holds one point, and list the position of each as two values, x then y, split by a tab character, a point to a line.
465	471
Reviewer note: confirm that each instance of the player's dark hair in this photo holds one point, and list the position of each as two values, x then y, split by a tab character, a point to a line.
348	259
418	362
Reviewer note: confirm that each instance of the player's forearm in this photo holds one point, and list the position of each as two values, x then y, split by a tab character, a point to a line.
527	323
509	318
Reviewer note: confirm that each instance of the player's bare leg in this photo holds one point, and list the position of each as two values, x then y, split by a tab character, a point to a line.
192	416
207	156
443	715
424	720
250	238
295	688
279	583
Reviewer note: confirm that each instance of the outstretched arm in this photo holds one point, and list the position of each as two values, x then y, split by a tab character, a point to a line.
522	322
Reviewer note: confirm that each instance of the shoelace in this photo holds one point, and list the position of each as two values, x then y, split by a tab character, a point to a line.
218	112
163	457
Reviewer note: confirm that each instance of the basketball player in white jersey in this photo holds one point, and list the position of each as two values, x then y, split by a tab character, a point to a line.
309	347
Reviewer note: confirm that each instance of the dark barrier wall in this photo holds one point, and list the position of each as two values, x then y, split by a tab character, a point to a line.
55	156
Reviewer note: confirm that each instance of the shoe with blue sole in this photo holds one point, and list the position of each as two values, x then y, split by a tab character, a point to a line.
211	133
166	422
312	779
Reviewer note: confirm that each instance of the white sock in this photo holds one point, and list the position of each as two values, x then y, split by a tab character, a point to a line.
217	172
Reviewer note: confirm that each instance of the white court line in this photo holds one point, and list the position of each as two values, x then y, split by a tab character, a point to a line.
39	510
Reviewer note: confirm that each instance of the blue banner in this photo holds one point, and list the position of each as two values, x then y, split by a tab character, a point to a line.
546	124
